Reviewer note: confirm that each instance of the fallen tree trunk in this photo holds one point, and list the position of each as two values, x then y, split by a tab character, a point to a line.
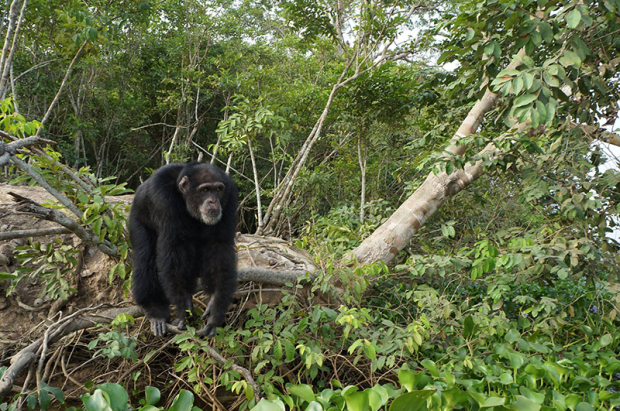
393	235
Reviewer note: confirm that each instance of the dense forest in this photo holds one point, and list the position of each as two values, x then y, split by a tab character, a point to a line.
427	220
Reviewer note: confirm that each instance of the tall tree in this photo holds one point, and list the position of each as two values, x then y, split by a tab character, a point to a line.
562	72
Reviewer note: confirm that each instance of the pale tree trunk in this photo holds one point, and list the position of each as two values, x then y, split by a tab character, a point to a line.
361	56
62	86
12	33
361	157
393	235
172	143
228	163
256	186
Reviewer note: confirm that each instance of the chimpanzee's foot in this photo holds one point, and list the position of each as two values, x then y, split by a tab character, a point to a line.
158	326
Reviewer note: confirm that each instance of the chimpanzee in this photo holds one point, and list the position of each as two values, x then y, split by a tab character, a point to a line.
182	227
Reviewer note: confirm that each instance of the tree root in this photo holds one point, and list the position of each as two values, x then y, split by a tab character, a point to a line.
267	276
82	319
77	321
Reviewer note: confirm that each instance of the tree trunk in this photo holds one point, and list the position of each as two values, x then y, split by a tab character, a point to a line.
259	211
393	235
6	59
361	157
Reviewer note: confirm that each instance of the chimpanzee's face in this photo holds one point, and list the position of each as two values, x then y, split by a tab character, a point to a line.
203	194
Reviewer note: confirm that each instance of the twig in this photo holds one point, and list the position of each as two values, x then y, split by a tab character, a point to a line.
222	361
87	186
68	376
62	85
25	357
141	362
60	218
10	235
245	372
37	177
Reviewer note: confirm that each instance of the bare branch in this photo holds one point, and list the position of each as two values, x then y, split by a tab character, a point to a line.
37	177
21	360
9	235
63	220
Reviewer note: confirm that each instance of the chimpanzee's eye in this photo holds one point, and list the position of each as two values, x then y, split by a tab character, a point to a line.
205	189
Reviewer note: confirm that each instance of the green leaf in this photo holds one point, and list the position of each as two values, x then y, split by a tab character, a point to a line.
99	401
524	100
266	405
528	80
412	401
584	406
512	335
523	404
357	401
289	348
313	406
303	391
44	399
184	401
536	397
606	340
370	351
431	367
506	378
407	379
152	395
118	396
516	360
470	34
569	58
277	350
546	31
493	402
4	275
31	401
468	327
550	80
517	85
550	112
573	18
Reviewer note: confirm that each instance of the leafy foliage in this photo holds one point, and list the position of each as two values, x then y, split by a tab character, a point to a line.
503	299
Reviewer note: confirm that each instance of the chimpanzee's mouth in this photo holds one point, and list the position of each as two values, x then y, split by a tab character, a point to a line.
211	218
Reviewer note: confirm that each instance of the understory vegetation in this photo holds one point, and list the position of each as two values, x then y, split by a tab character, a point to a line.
330	116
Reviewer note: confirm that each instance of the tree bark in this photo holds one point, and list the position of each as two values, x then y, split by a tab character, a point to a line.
6	59
393	235
259	211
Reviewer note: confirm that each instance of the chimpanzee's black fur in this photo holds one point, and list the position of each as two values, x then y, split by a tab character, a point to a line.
172	249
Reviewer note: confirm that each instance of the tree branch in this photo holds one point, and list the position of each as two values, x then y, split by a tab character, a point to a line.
9	235
58	217
23	359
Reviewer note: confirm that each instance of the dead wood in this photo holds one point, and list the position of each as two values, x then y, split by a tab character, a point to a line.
84	319
25	204
78	321
10	235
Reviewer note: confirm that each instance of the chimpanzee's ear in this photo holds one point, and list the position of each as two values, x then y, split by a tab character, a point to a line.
184	185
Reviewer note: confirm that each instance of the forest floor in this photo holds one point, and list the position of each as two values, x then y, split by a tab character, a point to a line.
26	314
